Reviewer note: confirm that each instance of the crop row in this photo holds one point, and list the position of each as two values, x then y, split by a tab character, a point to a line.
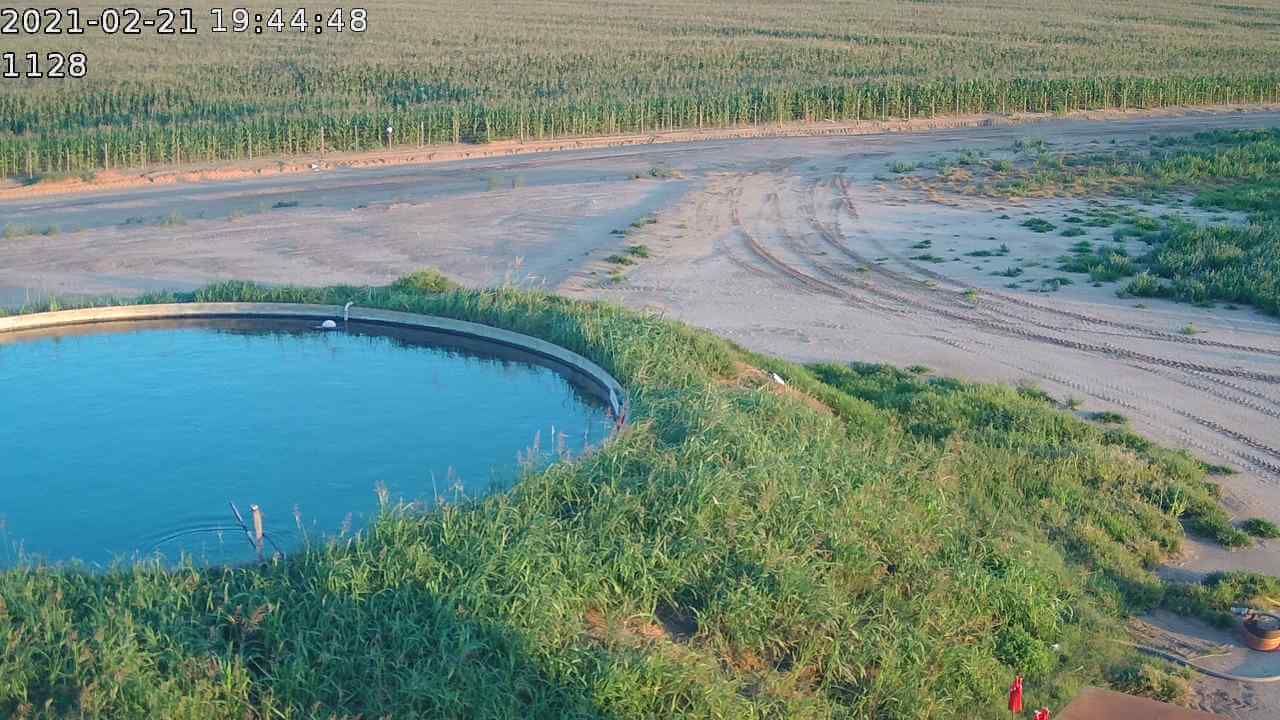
135	125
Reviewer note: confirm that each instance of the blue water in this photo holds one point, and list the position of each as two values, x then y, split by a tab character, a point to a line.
133	440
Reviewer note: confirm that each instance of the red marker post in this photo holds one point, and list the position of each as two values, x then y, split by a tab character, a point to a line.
1015	696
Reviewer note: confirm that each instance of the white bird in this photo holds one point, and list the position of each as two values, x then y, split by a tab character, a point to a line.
777	378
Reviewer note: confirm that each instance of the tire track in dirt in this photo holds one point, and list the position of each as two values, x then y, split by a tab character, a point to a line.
1141	360
841	183
832	273
1112	394
799	279
1098	394
834	237
1267	406
790	274
897	302
1209	377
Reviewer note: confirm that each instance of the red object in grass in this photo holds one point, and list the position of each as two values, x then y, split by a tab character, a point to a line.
1015	696
1042	714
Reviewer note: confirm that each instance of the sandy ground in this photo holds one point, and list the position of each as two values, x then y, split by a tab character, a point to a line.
799	247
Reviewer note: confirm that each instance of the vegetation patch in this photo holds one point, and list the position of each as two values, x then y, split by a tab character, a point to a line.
998	252
1212	599
1039	225
428	280
1261	528
17	231
1224	171
663	171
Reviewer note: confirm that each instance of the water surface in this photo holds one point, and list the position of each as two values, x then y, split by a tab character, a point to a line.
132	439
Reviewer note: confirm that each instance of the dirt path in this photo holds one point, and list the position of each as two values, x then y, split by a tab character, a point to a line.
803	247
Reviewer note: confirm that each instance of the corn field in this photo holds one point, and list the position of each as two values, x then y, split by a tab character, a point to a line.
533	70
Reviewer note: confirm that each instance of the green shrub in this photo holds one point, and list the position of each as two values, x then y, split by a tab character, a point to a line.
1158	682
1039	225
428	280
1017	648
16	231
1214	597
1144	285
1261	528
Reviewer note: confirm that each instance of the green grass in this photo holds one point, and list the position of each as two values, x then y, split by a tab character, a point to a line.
998	252
1213	599
1230	263
1102	264
429	280
531	69
14	231
864	543
1193	262
1039	225
663	171
1261	528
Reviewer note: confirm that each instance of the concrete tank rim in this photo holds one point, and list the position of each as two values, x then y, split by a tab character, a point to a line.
609	387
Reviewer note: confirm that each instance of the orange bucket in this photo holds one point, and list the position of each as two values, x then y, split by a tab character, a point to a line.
1262	632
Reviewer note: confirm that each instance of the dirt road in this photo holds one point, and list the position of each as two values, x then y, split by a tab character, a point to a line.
805	248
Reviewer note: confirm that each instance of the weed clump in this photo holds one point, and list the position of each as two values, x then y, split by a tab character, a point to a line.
1212	599
1039	225
428	280
1148	680
1261	528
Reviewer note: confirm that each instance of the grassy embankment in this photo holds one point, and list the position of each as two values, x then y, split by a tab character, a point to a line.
1200	262
531	69
861	543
